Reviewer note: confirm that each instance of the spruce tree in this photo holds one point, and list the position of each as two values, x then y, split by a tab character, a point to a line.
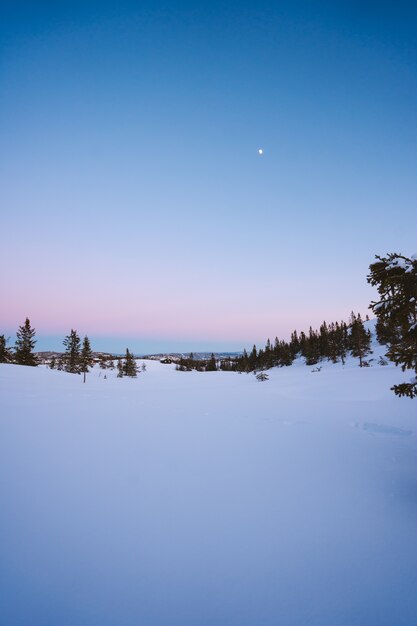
395	277
86	356
120	368
324	341
253	358
294	344
24	345
72	353
360	338
52	364
5	354
312	348
129	367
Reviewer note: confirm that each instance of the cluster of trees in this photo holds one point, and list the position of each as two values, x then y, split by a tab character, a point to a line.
77	358
106	362
127	366
332	341
191	363
395	277
22	353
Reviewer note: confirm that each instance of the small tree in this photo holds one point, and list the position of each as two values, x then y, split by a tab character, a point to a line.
5	354
24	345
52	364
120	368
130	368
72	353
86	357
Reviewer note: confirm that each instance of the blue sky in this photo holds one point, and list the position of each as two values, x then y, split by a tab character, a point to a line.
135	205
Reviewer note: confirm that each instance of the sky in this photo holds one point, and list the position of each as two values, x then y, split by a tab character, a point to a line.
135	206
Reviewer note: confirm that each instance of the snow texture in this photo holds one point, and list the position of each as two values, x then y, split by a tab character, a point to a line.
197	499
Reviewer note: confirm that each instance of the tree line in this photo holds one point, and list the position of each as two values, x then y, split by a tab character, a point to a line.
76	359
332	341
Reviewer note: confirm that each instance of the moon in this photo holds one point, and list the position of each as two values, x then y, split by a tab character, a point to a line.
260	151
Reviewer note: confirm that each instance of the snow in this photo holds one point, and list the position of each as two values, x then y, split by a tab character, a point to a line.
404	264
208	498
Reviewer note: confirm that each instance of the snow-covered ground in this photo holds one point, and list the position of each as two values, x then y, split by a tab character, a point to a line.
207	498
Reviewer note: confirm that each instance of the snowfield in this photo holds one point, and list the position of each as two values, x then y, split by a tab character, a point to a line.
208	499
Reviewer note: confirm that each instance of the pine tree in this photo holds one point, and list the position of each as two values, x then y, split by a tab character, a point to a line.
303	343
86	356
294	344
129	367
324	341
395	277
5	354
253	358
52	364
24	345
72	353
338	343
120	368
360	339
312	348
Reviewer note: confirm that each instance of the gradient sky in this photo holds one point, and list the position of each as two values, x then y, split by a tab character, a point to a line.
134	204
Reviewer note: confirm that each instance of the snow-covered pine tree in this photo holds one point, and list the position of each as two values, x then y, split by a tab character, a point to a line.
24	345
395	277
